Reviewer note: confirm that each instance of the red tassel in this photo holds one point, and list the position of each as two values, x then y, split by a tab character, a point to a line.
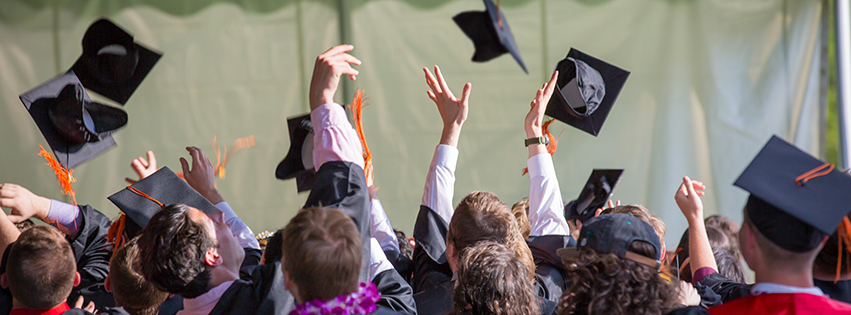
63	176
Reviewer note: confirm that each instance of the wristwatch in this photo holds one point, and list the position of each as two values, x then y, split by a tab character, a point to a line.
542	140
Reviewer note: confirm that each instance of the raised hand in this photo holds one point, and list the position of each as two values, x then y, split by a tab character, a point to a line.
142	167
688	199
453	111
329	67
202	175
23	203
533	121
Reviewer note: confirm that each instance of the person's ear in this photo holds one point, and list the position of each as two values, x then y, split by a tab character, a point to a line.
664	252
77	279
107	284
291	286
4	282
212	257
451	257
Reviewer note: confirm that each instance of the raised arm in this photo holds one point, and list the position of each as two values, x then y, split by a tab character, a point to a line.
440	180
700	252
545	203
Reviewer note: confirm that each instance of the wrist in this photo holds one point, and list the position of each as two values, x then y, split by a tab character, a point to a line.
42	207
450	135
534	133
213	196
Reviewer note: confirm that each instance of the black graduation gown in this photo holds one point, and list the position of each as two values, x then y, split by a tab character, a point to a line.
840	291
340	185
550	273
726	288
403	265
107	311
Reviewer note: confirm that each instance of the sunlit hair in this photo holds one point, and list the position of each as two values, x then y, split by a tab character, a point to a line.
481	216
521	214
492	280
129	288
41	268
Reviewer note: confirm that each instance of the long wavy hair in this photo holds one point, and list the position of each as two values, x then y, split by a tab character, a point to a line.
602	283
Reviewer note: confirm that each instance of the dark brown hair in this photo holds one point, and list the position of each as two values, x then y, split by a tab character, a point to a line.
322	253
605	284
41	268
493	280
521	214
481	216
129	288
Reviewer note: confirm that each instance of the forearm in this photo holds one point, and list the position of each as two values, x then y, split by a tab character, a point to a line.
700	252
65	217
8	232
545	203
440	181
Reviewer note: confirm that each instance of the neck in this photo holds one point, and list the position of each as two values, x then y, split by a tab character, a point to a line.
220	274
802	278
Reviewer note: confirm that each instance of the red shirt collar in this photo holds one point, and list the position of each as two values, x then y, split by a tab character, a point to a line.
59	309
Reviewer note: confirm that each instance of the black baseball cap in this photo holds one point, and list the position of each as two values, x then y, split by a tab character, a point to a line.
613	234
587	90
75	128
112	64
597	190
299	160
148	196
490	33
795	199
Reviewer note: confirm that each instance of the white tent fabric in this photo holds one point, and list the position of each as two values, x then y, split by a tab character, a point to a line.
711	82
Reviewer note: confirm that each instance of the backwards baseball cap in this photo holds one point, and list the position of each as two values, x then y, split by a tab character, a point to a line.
490	33
613	234
146	197
587	90
112	64
299	160
597	190
75	128
796	200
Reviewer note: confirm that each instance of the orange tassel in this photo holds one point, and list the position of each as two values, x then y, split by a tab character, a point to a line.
357	113
239	144
116	231
63	176
551	148
844	237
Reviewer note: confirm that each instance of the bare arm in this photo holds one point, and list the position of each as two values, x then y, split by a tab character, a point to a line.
688	200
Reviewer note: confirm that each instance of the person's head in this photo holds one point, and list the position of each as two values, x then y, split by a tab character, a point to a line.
41	269
183	246
730	228
405	247
728	265
521	214
24	225
322	250
645	215
481	216
762	253
680	262
828	259
614	270
272	252
493	280
129	288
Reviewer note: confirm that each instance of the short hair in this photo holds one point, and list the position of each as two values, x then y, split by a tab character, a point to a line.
24	225
521	213
481	216
728	264
322	253
776	256
602	283
405	248
730	228
272	252
717	239
645	215
129	288
493	280
175	247
41	268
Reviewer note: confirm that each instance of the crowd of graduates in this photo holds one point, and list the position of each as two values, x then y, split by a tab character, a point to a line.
179	248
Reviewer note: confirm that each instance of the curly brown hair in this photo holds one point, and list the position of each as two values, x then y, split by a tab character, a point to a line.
602	283
492	280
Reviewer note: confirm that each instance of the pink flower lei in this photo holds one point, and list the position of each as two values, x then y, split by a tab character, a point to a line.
361	301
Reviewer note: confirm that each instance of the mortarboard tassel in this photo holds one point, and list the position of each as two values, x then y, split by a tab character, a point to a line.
357	113
63	176
843	237
238	144
551	148
116	230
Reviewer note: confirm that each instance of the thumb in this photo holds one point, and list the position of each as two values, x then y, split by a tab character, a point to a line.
185	166
79	302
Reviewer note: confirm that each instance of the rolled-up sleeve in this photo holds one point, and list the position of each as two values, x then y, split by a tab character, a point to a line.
545	203
334	138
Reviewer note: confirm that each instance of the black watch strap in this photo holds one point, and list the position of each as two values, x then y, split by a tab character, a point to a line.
538	140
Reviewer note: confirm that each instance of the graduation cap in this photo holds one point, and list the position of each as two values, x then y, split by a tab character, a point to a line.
299	160
796	200
613	234
490	33
76	129
142	200
587	90
112	64
597	190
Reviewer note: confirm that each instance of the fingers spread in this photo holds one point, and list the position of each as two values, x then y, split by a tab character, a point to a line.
442	82
432	82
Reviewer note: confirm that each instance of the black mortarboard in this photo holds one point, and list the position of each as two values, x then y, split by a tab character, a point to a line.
587	90
796	200
299	160
490	33
76	129
112	64
164	187
613	234
597	190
